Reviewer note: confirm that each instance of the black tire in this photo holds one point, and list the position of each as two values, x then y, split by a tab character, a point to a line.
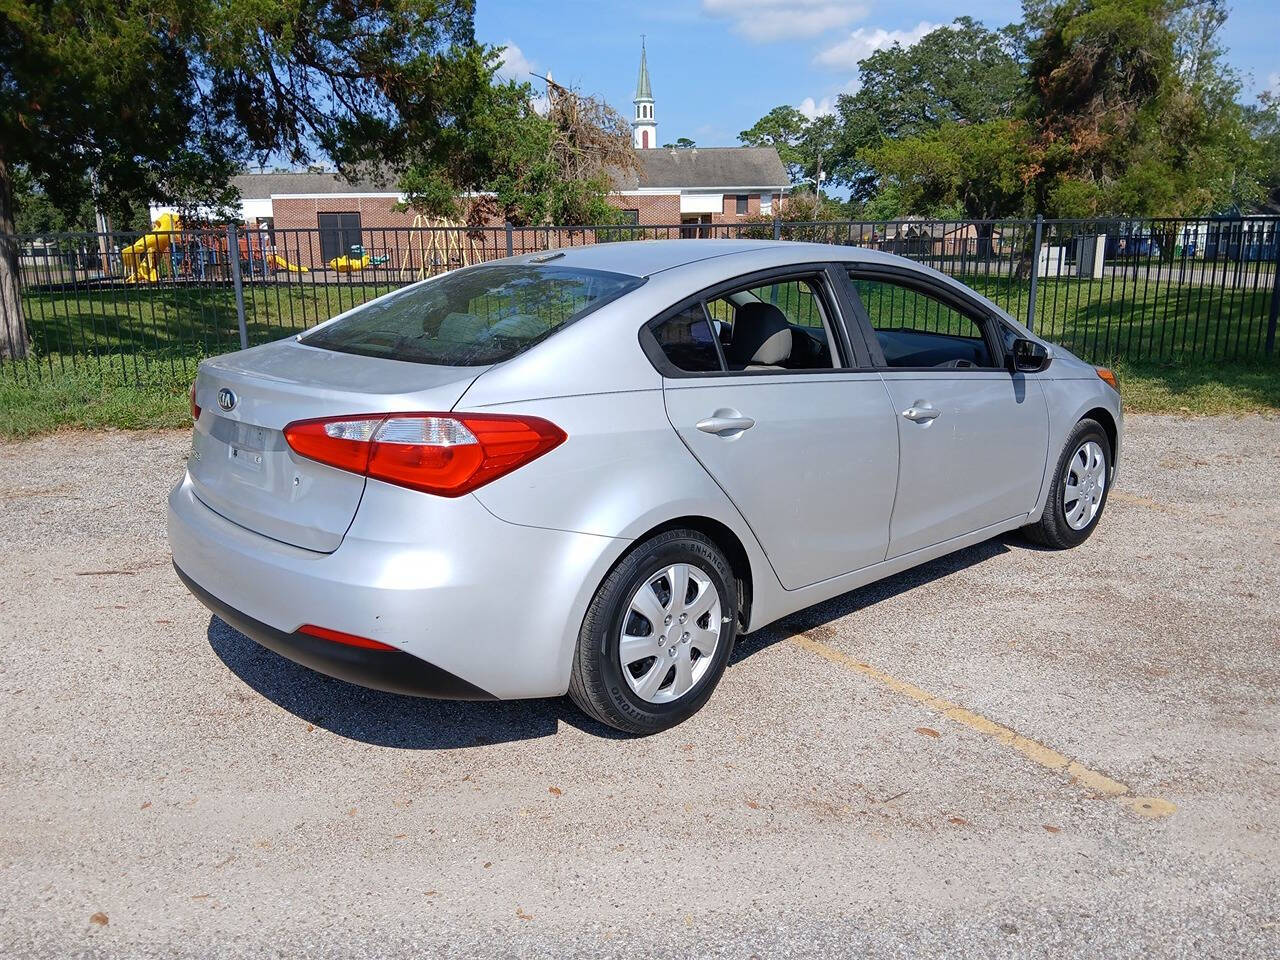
1053	530
596	683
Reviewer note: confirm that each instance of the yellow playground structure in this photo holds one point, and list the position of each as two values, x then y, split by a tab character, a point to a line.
355	261
172	251
141	259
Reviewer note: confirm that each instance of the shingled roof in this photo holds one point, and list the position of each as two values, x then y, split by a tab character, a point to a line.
707	168
260	186
698	168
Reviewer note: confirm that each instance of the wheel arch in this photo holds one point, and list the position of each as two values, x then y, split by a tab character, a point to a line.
729	542
1108	423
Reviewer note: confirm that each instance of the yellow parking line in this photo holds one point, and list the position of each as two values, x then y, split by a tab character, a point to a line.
1034	751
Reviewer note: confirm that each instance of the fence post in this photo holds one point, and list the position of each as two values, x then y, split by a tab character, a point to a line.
233	259
1275	290
777	226
510	247
1035	273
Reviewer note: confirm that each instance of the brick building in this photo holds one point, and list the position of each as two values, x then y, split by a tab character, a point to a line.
695	187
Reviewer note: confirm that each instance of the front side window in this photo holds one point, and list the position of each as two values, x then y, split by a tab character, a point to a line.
480	315
917	330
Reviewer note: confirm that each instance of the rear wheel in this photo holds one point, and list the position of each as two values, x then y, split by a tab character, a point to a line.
1078	491
658	634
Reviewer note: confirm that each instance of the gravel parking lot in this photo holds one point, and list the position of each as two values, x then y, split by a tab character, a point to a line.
1007	752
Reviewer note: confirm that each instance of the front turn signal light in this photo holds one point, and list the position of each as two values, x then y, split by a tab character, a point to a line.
1109	378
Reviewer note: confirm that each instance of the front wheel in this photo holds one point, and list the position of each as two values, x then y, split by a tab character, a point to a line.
658	634
1078	491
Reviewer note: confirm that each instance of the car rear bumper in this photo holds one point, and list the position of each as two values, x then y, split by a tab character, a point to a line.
391	670
474	606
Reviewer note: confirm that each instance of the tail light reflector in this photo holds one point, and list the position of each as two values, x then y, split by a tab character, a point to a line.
337	636
195	408
444	454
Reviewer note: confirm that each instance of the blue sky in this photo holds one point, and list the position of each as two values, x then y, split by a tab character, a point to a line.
718	65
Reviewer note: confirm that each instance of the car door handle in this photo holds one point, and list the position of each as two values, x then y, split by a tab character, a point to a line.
922	413
722	425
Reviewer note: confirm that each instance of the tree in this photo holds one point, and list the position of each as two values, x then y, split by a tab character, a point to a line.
978	171
1264	129
803	145
782	128
165	99
525	166
682	143
962	73
1134	113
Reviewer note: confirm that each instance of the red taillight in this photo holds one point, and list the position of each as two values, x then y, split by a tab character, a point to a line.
195	408
442	453
337	636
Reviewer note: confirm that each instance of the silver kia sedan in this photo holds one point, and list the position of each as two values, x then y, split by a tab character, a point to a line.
588	470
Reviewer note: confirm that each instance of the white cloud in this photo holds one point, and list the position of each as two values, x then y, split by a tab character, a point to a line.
813	110
516	66
863	42
766	20
1273	84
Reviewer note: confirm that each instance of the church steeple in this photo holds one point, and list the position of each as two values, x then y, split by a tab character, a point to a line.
644	135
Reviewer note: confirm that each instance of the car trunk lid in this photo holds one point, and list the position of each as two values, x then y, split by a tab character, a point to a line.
242	468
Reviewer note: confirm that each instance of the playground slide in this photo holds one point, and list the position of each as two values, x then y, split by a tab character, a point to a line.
280	263
141	259
348	264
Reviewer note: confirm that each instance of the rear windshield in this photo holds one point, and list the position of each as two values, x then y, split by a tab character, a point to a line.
477	316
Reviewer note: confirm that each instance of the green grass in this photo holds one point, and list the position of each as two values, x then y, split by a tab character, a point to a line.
86	398
181	321
1100	320
125	357
1201	389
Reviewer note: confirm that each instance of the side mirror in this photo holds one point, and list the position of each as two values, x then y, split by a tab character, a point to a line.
1028	356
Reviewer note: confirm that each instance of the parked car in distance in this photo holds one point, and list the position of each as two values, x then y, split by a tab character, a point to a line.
588	470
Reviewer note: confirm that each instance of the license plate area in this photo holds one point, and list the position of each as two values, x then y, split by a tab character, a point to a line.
247	444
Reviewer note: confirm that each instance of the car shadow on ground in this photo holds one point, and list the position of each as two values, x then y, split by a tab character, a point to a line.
390	719
415	723
863	597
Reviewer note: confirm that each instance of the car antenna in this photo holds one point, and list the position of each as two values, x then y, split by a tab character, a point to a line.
547	257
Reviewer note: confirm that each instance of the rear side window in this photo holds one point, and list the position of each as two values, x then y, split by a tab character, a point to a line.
481	315
688	342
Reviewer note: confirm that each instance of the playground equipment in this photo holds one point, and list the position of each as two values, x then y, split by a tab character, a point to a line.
278	262
436	244
355	261
172	251
141	258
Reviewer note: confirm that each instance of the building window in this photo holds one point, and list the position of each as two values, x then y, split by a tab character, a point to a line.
740	206
630	216
766	204
339	232
644	139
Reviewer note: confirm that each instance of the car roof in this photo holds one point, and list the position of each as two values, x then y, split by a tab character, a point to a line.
644	258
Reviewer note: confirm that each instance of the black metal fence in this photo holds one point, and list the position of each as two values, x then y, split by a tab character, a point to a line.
138	305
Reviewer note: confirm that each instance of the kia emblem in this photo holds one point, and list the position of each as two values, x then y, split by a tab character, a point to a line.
226	399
